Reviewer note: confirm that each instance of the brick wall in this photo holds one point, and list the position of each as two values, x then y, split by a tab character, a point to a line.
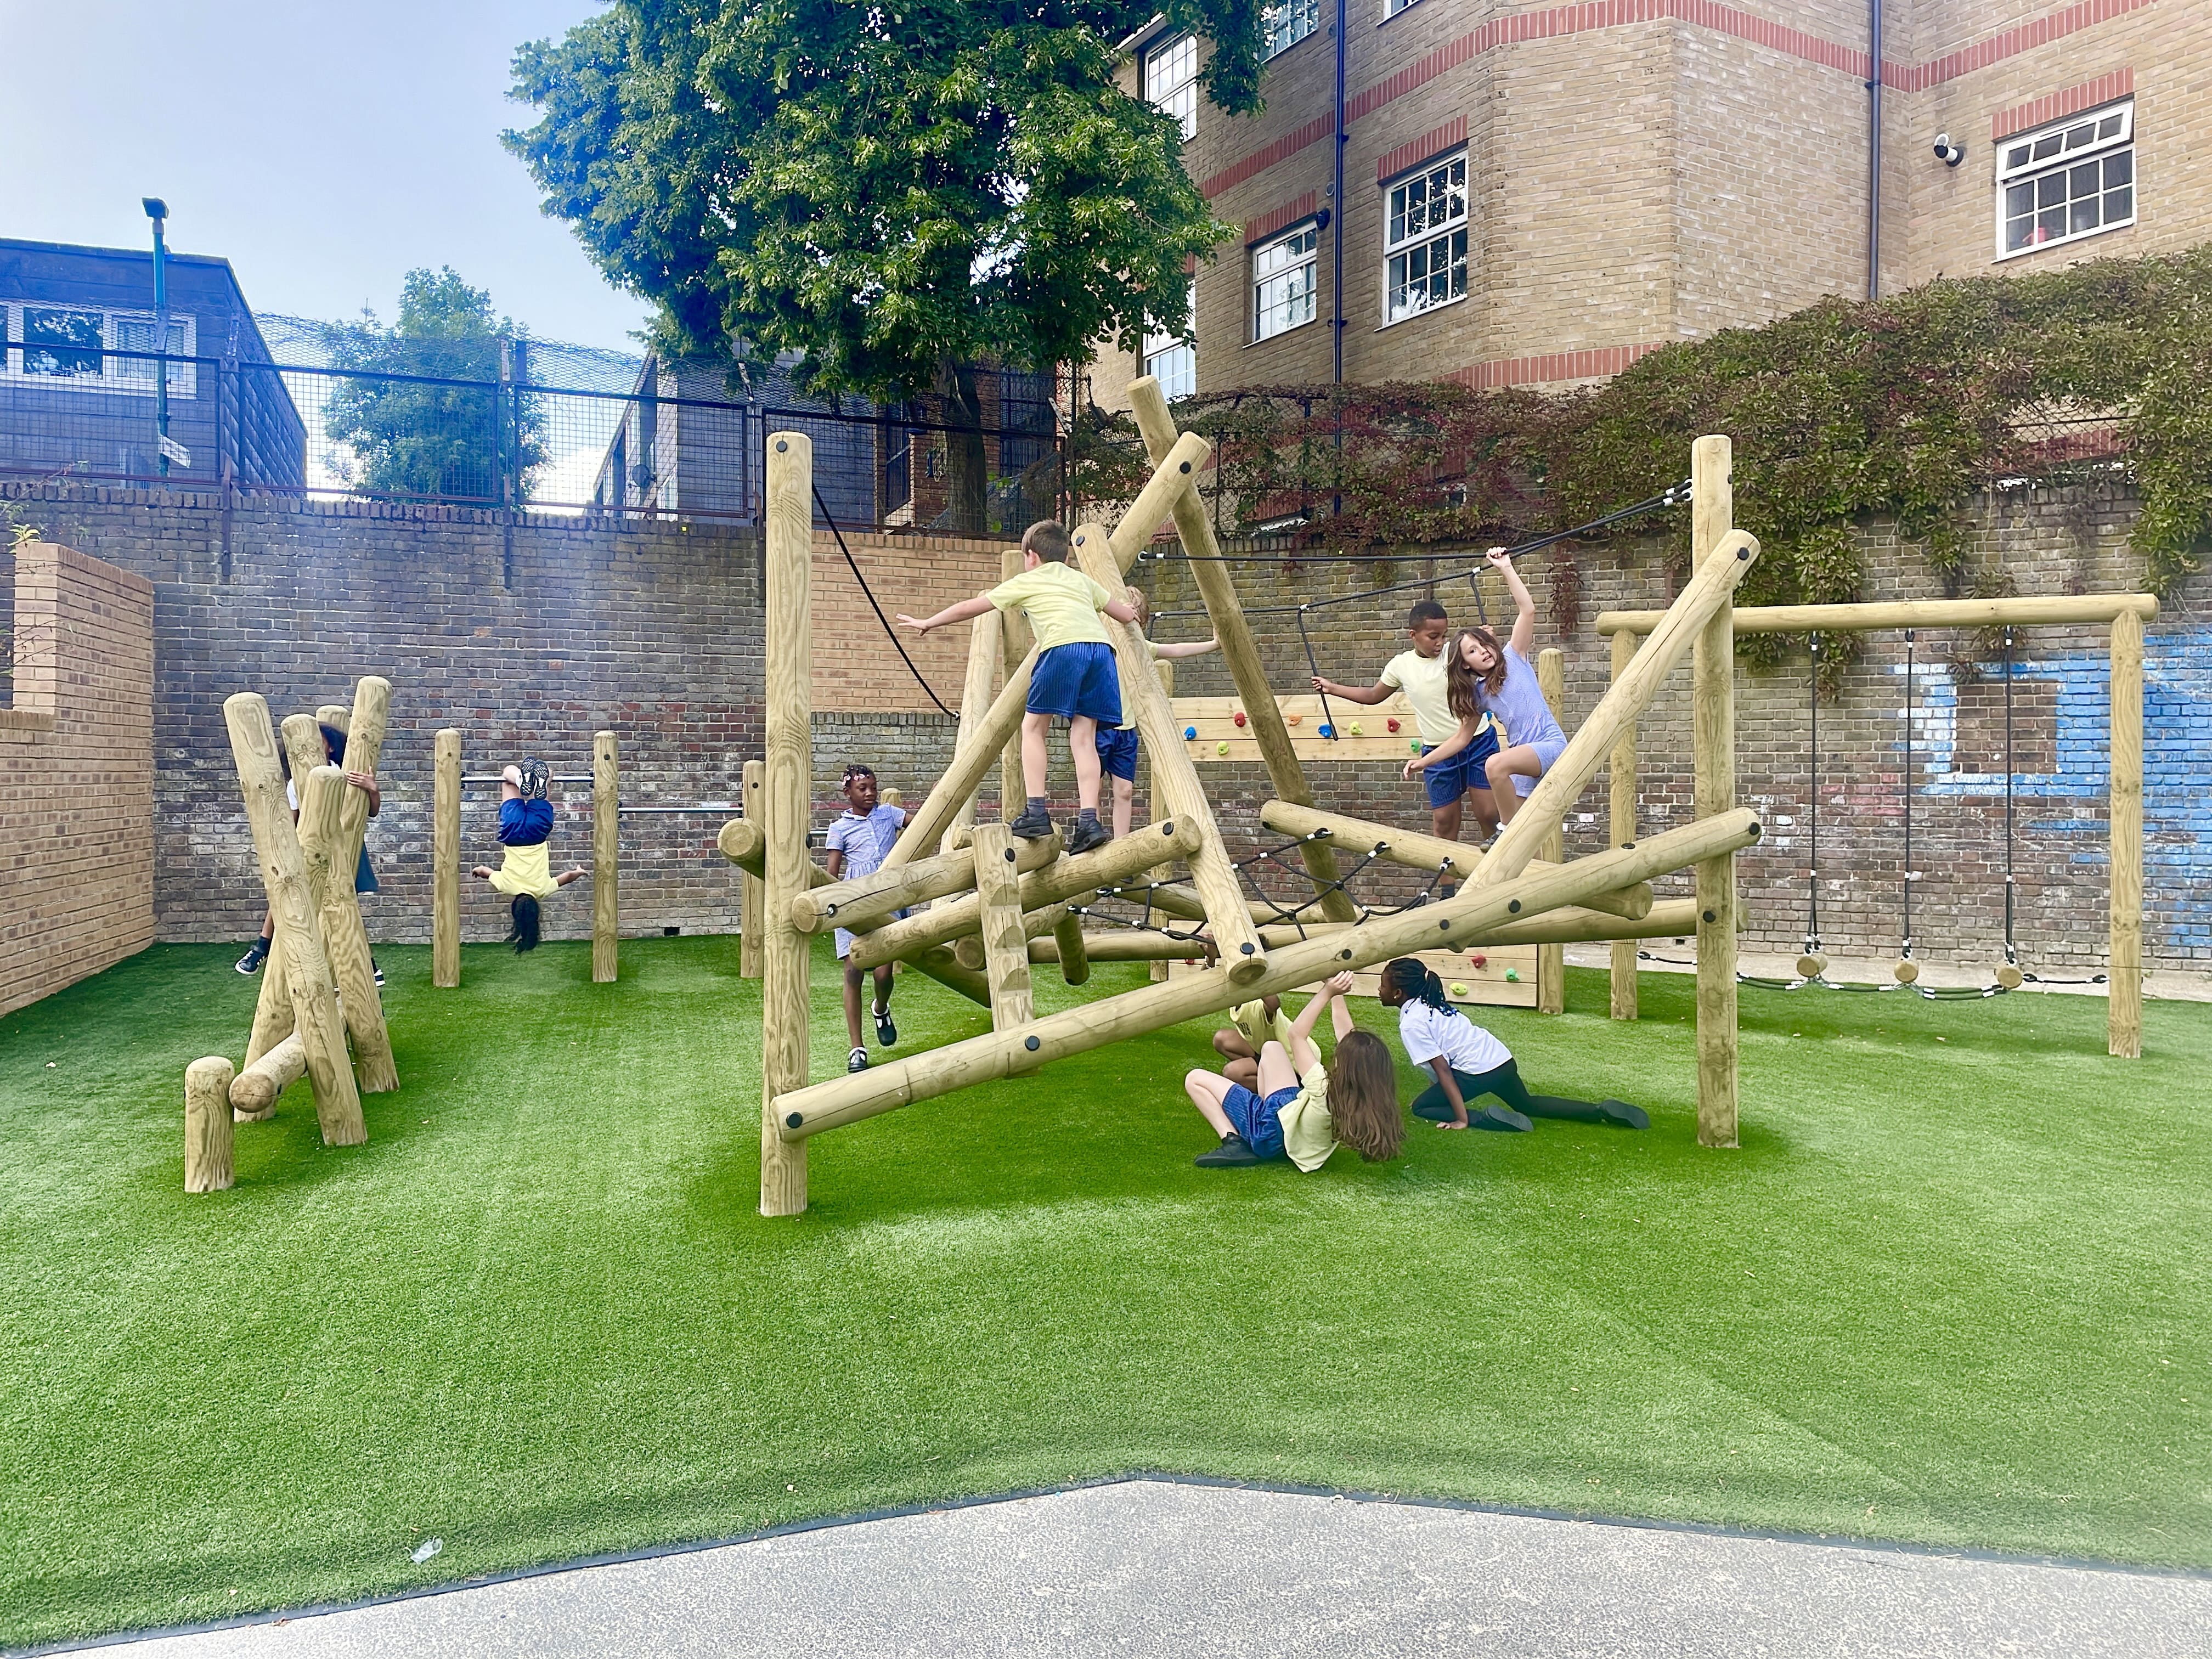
77	773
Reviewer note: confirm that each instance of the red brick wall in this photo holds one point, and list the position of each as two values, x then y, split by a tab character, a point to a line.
856	668
76	774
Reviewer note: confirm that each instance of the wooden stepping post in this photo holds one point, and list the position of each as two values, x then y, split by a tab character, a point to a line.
1621	784
1712	512
1006	944
786	791
344	937
752	897
207	1125
445	859
1552	959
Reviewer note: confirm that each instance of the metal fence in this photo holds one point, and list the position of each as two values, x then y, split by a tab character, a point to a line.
89	414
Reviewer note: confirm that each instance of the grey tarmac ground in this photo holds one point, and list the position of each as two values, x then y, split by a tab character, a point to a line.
1152	1566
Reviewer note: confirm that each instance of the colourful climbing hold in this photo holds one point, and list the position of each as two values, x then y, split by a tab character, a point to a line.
1512	975
1328	731
1478	960
1240	717
1413	746
1392	725
1190	733
1292	719
1355	729
1221	748
1459	990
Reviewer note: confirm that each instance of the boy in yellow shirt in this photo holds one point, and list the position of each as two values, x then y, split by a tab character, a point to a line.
1074	676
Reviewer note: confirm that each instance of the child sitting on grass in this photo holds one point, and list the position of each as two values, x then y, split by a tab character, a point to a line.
1469	1063
1074	674
862	836
526	872
1299	1111
1117	744
1252	1026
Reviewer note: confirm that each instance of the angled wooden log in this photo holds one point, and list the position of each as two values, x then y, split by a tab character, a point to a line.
984	637
344	937
788	671
971	762
304	751
999	894
1173	475
1018	645
208	1166
606	859
1712	744
445	859
969	953
1621	804
1248	669
939	965
254	1090
751	896
1056	882
1073	952
862	901
1470	913
1571	924
307	969
1551	959
1211	872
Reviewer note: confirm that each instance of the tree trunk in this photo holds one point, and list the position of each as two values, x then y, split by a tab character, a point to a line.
967	467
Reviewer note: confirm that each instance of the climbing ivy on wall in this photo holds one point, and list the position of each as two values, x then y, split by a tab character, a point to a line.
1907	406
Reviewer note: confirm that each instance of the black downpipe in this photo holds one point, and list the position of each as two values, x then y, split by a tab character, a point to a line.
1336	320
1874	163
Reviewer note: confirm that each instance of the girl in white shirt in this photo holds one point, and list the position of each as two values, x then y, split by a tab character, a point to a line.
1469	1062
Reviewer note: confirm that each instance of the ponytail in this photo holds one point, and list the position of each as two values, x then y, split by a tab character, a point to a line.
1412	979
524	910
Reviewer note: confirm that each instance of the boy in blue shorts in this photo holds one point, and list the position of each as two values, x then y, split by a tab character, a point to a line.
1117	744
863	835
526	869
1420	672
1074	676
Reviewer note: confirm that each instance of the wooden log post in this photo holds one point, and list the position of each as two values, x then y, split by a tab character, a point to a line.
207	1126
1211	873
786	792
970	954
2027	612
336	716
1006	946
1621	786
1712	511
345	938
984	634
322	808
606	859
2124	966
304	751
1073	955
1017	643
752	897
254	1090
307	969
1552	959
445	859
1248	670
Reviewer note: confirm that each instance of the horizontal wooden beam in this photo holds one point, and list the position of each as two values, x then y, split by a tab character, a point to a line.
2039	610
743	843
860	901
1571	924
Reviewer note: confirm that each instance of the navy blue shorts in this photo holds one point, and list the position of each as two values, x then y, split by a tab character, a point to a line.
1463	771
1076	680
1258	1118
1117	751
525	823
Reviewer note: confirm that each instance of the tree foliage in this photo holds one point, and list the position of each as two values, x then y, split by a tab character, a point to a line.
412	437
897	189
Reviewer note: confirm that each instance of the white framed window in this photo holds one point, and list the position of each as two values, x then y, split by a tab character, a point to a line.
1172	360
1285	281
1170	80
2063	182
1284	23
1424	240
1392	8
73	346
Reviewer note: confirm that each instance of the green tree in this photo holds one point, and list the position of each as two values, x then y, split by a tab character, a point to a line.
897	189
412	437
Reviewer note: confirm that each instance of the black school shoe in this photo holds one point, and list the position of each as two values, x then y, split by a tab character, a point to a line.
1234	1152
857	1061
1088	834
1032	825
886	1033
256	954
1625	1115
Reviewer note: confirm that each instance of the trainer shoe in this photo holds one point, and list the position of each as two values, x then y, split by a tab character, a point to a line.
1234	1152
1032	826
256	954
1500	1117
886	1033
857	1061
1088	834
376	972
1628	1116
536	775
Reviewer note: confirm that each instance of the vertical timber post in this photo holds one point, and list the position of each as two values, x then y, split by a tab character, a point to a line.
1006	943
975	693
606	852
752	895
789	776
2123	968
1622	784
1712	509
1015	642
1552	959
207	1125
446	860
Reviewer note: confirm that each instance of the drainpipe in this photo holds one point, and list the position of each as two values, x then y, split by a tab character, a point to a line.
1336	324
1874	161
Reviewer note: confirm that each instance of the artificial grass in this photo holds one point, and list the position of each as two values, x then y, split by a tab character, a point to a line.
1953	1288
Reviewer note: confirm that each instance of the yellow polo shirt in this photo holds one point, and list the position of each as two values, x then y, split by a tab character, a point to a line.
1309	1131
1061	603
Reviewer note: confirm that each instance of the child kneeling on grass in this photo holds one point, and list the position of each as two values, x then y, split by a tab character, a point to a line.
1470	1062
1299	1111
526	872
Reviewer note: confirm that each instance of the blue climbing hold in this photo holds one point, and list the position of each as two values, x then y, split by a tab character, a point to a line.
1328	731
1190	732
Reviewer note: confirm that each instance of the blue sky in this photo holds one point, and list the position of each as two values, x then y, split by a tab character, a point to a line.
323	150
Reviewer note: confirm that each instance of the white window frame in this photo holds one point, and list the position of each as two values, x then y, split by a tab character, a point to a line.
1284	300
2104	136
1177	354
1399	244
1392	8
130	377
1284	23
1177	55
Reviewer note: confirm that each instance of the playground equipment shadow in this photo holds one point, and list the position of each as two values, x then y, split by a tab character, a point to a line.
1951	1289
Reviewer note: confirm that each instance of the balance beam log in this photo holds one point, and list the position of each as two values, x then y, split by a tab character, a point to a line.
345	939
1118	946
1571	924
307	969
2034	610
744	842
1471	912
207	1126
253	1091
971	759
969	951
606	859
1419	851
1248	670
860	901
445	859
1059	881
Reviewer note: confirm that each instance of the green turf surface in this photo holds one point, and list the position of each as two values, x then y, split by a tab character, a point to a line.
1951	1289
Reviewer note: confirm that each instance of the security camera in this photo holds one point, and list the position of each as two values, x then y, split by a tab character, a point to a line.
1949	153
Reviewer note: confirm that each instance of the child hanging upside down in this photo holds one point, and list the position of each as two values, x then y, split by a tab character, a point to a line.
1299	1111
526	872
1469	1063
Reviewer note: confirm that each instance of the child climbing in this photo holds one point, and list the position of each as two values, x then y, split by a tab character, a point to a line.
1299	1110
1469	1062
1420	672
1075	676
1494	683
364	874
1117	744
860	840
525	870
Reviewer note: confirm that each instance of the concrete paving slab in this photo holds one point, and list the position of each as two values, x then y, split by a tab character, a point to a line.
1151	1566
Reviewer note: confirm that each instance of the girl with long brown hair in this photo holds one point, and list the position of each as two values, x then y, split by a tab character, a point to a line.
1302	1110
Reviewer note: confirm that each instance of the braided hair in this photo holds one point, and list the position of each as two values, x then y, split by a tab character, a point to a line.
1414	978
